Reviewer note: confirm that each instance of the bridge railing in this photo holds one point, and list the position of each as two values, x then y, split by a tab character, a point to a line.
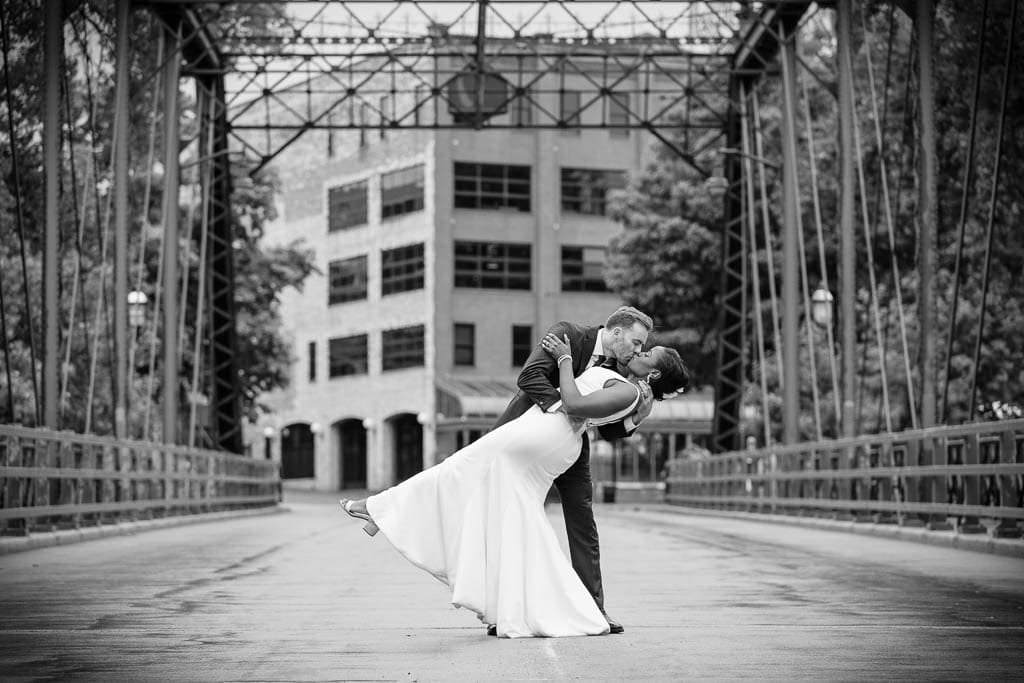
51	480
969	477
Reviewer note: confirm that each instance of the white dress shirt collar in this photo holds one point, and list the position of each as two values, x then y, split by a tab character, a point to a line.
598	346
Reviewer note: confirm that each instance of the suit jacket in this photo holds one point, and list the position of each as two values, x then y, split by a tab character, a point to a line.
538	380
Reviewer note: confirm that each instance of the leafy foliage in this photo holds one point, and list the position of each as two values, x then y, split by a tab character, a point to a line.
665	259
85	221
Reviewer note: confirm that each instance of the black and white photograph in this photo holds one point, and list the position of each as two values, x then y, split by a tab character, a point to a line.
511	340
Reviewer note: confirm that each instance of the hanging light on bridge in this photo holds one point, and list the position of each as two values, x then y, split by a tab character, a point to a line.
137	303
821	306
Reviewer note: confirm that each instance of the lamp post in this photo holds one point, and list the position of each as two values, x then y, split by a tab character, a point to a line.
137	303
716	184
268	436
822	304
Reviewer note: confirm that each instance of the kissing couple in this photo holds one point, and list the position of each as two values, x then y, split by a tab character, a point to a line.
476	520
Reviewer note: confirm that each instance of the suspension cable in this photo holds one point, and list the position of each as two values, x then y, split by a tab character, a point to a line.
16	175
157	292
102	230
190	220
909	116
748	183
996	176
866	220
146	195
822	264
794	177
206	195
965	195
766	228
186	260
883	172
77	282
7	352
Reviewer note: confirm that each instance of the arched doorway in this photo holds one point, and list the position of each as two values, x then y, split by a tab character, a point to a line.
407	437
352	446
297	452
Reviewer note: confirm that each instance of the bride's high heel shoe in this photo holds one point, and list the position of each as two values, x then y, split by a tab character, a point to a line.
370	527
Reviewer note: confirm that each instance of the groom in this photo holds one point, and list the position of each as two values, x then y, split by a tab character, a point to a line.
613	345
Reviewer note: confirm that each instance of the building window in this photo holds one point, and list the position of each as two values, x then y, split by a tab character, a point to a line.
492	186
401	269
618	114
346	280
493	265
586	190
402	348
346	206
401	191
347	356
522	344
583	269
464	343
520	109
312	361
569	111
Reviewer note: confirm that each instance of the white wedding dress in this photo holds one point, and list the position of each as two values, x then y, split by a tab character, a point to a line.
476	522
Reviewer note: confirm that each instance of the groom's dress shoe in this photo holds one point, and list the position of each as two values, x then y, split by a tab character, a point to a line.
613	626
492	630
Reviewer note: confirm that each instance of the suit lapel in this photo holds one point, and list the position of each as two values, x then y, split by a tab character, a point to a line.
587	342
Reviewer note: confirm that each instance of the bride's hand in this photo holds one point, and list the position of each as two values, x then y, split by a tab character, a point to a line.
554	346
643	408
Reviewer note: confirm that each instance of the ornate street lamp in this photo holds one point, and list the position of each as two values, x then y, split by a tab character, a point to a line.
137	304
822	306
716	185
268	436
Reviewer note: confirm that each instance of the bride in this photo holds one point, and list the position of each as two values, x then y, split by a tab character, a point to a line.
476	520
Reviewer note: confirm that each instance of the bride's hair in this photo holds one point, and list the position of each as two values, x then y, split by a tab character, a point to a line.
675	376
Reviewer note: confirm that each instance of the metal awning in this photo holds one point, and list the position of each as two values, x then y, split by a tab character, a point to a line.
691	413
475	402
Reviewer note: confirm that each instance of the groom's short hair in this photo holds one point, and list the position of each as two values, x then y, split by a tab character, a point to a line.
627	316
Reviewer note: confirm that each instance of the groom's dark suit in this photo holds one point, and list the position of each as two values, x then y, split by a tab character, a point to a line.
538	384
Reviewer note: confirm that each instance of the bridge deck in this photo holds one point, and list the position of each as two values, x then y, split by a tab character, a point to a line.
305	595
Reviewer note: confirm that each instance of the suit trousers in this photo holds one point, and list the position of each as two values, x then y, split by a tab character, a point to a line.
576	489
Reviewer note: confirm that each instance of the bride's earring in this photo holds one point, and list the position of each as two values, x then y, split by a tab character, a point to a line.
653	375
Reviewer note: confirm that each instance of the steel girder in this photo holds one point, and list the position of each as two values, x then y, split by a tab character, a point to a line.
732	315
224	387
664	74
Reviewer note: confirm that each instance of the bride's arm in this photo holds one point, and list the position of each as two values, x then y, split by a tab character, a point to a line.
601	403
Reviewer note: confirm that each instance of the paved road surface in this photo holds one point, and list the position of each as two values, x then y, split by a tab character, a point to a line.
305	595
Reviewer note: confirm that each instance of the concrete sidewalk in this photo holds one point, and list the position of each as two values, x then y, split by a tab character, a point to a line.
307	596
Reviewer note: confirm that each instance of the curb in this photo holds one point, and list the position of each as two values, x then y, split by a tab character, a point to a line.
981	542
47	539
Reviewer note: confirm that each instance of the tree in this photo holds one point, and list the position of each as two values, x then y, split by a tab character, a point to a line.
665	259
261	275
661	208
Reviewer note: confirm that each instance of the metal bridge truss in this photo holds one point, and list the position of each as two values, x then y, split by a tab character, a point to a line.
674	69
